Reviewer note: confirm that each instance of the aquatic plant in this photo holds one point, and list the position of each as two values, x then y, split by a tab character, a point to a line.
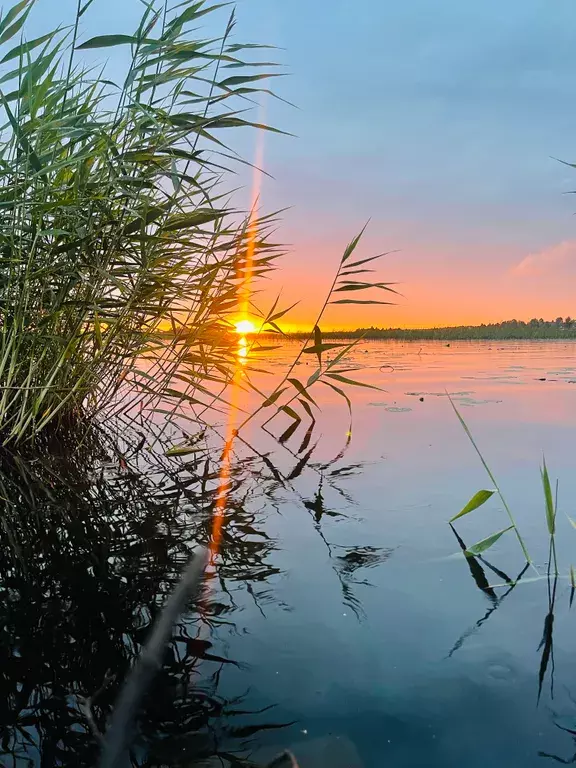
121	256
482	496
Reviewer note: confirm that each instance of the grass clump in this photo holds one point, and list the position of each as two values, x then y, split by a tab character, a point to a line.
121	257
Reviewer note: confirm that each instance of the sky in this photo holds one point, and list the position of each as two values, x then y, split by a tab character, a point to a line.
441	124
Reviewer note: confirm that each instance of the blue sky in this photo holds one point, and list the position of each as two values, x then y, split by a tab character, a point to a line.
436	120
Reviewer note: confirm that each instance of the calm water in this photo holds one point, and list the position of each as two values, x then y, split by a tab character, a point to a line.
344	622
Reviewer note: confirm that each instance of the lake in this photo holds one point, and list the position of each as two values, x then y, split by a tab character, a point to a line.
343	621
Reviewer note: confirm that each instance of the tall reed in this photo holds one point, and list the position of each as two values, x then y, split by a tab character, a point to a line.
121	256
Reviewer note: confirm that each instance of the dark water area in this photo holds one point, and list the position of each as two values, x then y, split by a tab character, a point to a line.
341	620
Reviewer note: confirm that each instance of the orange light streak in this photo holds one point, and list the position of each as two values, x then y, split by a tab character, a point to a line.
252	232
242	353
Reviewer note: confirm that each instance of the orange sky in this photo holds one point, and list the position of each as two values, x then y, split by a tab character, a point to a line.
439	288
444	137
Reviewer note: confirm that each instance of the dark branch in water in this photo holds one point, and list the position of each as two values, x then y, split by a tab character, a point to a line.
86	706
119	734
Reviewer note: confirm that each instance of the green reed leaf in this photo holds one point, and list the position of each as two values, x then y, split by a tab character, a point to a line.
301	389
341	393
278	315
370	258
194	12
85	7
352	382
351	247
291	412
273	397
24	48
548	500
108	41
9	29
307	408
476	501
484	544
193	219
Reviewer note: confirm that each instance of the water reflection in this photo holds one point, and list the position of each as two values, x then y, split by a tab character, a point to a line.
242	352
89	547
90	543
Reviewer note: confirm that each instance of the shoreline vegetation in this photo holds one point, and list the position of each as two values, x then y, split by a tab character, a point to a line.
560	328
124	263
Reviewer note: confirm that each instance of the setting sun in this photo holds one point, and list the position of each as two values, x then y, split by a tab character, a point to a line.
245	326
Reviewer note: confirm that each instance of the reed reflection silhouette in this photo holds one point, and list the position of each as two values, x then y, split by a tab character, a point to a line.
92	538
89	547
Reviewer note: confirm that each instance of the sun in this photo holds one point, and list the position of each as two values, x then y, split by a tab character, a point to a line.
245	326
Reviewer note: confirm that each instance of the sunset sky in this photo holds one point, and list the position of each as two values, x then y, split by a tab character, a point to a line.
438	121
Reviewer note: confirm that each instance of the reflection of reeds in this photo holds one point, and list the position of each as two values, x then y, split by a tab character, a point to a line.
93	537
90	545
120	731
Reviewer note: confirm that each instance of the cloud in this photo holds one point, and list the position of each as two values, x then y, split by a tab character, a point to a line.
557	258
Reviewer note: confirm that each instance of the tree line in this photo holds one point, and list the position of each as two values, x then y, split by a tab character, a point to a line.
560	328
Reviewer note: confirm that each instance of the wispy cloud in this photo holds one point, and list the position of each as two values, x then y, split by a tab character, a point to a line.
556	258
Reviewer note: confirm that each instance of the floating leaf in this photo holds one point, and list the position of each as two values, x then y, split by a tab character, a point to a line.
181	450
476	501
482	546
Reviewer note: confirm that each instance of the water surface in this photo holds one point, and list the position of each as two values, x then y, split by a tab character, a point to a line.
420	666
343	621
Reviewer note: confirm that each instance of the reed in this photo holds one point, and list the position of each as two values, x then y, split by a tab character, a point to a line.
121	256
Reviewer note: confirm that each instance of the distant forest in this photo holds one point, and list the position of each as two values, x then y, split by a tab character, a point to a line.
560	328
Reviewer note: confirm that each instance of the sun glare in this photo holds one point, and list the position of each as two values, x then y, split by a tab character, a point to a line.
245	326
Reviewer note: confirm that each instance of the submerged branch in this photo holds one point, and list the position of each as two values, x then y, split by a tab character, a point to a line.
119	734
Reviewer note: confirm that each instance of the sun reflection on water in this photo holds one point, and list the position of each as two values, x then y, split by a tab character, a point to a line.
242	352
